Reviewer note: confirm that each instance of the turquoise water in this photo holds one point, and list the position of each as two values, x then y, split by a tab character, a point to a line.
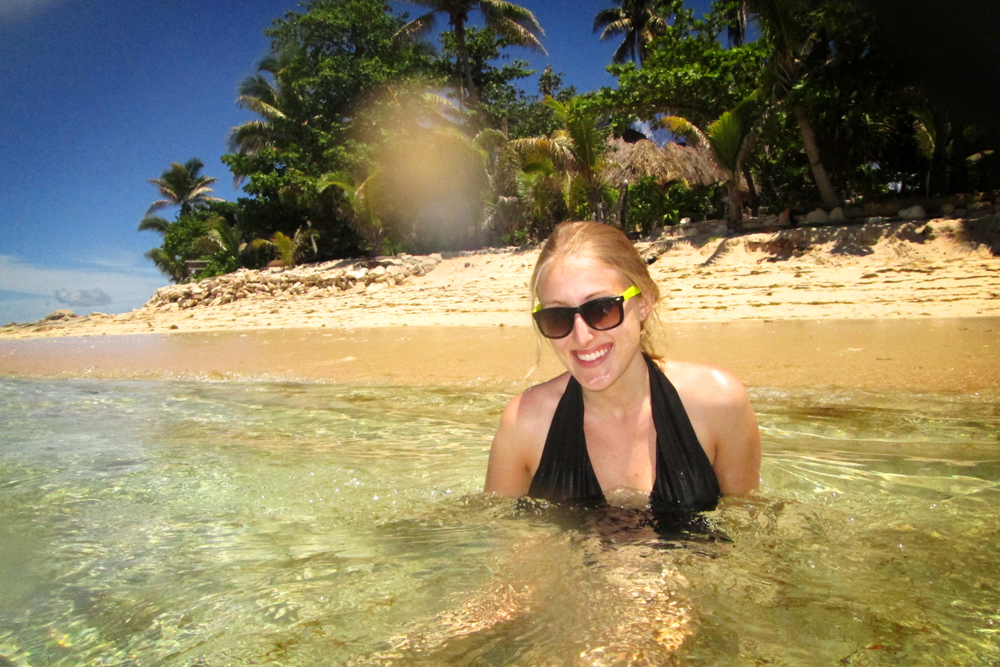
172	523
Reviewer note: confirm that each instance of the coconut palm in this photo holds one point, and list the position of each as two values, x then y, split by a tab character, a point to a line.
513	22
577	149
229	240
501	206
727	140
535	188
638	20
360	198
290	249
182	185
173	268
782	29
268	100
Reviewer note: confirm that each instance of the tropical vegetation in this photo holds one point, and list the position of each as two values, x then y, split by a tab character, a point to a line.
374	135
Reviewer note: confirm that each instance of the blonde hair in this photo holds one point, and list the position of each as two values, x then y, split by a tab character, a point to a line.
608	245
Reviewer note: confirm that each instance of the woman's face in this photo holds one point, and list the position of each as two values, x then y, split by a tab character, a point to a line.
597	359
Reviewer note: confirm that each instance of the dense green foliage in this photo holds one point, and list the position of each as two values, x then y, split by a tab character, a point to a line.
370	140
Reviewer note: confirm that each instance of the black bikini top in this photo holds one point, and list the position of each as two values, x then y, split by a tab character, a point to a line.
685	481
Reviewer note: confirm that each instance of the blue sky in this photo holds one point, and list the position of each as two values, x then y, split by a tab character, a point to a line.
99	96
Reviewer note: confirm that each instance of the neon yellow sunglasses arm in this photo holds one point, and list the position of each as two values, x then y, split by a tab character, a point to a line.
626	295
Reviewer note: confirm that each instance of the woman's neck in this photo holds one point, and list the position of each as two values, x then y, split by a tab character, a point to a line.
627	394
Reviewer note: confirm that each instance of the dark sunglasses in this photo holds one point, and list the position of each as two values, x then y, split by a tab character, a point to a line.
600	314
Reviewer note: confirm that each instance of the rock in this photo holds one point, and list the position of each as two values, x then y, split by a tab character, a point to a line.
816	217
59	315
960	212
980	208
915	212
947	209
785	219
837	214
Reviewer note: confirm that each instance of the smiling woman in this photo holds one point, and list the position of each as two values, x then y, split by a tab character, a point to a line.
622	418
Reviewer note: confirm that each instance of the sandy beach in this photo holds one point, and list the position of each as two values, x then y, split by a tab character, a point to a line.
881	305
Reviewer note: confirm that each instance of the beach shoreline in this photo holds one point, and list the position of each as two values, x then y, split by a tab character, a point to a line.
886	305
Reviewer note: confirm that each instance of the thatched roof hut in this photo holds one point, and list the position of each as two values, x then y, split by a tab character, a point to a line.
630	161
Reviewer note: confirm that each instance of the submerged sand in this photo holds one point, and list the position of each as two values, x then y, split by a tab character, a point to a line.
875	306
907	354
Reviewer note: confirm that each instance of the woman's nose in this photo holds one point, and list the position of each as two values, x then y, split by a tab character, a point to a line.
582	333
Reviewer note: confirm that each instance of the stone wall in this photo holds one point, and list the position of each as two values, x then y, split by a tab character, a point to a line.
316	280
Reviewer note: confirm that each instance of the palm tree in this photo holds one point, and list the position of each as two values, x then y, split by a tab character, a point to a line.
535	189
513	22
270	101
727	139
173	268
182	185
781	27
228	239
290	249
638	20
361	200
577	149
266	99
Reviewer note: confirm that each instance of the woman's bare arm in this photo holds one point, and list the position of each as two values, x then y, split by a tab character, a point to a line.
507	473
723	418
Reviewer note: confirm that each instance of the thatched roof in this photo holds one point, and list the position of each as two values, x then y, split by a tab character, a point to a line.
630	161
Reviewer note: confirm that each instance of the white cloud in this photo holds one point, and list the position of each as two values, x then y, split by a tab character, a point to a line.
87	298
18	10
28	292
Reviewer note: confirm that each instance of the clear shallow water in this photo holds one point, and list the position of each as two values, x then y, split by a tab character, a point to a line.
161	523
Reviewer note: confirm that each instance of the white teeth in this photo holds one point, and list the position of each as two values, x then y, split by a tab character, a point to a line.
593	355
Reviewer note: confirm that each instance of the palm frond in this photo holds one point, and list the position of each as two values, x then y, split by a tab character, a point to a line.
626	50
682	127
154	223
606	17
249	137
616	29
159	205
517	34
495	9
415	29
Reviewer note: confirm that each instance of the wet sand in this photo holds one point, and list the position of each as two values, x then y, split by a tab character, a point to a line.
956	354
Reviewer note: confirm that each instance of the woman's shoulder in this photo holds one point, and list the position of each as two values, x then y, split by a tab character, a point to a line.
520	438
719	408
706	385
536	405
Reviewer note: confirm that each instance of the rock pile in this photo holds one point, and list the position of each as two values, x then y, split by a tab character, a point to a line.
316	280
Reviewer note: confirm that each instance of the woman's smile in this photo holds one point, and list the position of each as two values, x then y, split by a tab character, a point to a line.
593	357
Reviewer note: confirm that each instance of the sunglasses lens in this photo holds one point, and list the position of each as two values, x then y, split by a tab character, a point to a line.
555	322
603	314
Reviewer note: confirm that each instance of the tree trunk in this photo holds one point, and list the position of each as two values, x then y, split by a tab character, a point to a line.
826	192
463	58
622	207
938	174
735	203
752	192
596	205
